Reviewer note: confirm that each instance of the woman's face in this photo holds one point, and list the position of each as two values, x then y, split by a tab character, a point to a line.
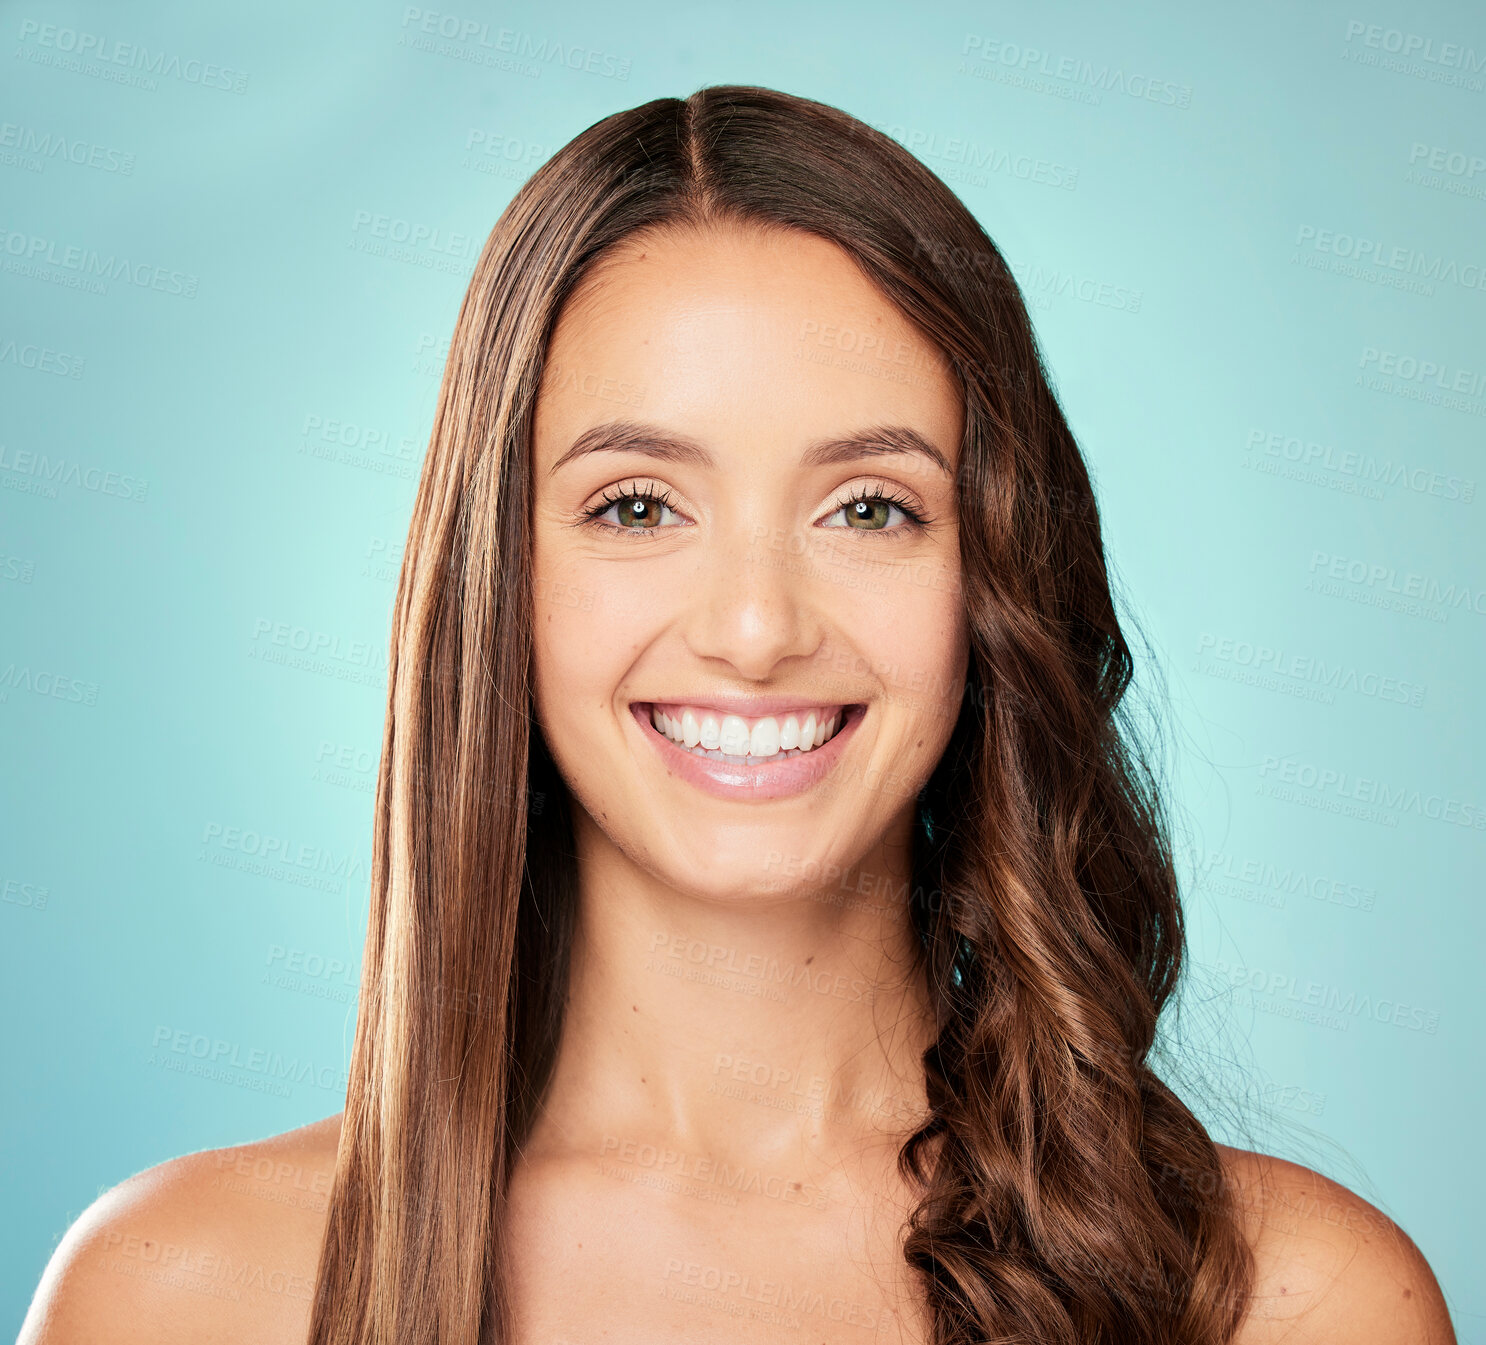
734	436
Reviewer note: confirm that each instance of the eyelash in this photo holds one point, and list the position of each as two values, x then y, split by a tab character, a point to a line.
628	492
916	520
592	514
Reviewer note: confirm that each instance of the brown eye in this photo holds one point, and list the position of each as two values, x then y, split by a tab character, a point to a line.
868	515
874	511
632	511
639	509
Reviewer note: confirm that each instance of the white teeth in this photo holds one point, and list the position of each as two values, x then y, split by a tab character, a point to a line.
734	736
704	732
764	740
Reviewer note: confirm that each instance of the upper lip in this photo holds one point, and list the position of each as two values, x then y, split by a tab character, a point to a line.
752	707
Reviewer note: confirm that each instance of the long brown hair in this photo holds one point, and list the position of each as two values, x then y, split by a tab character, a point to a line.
1057	1171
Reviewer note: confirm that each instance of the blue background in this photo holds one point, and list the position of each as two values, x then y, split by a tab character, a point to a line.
231	432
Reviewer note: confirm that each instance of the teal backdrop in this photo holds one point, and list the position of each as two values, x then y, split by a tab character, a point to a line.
233	241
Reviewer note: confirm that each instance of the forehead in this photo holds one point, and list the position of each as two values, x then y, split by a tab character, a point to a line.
740	334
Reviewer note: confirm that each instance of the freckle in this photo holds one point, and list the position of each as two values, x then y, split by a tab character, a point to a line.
1408	1293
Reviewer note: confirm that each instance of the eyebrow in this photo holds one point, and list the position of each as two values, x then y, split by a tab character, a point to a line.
633	436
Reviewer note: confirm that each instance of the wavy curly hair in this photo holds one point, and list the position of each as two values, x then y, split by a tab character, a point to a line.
1056	1170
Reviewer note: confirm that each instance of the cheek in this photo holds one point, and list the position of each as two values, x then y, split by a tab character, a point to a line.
905	628
589	628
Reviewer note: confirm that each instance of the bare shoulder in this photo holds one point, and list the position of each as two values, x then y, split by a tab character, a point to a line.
217	1245
1329	1266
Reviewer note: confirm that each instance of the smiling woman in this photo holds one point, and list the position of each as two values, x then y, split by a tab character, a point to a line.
772	515
771	916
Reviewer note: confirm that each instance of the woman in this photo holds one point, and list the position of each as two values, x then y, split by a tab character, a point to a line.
770	915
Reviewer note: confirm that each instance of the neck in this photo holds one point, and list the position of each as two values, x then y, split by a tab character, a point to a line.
742	1028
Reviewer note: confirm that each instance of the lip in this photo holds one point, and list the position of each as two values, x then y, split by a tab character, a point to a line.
773	779
749	707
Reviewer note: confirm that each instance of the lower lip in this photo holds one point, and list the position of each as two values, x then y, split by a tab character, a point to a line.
776	778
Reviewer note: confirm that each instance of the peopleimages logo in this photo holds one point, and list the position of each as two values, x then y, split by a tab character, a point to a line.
1388	579
1452	171
87	268
1372	252
1416	45
977	159
1328	1005
1338	785
77	50
1412	369
1438	159
327	653
718	958
224	1055
27	142
1308	668
1031	65
34	473
477	41
741	1180
1038	281
41	359
1219	868
1364	468
787	1296
1422	380
413	233
42	682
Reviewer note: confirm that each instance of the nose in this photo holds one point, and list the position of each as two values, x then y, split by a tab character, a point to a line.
755	604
